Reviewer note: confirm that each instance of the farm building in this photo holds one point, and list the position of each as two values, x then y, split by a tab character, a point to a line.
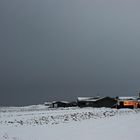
127	102
96	102
56	104
72	104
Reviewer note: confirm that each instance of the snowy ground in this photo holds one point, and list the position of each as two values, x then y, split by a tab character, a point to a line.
41	123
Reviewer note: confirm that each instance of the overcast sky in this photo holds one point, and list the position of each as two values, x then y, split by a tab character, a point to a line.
61	49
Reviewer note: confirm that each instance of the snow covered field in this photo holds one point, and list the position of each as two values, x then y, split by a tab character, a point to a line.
40	123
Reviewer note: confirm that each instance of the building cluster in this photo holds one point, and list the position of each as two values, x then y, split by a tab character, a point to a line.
118	102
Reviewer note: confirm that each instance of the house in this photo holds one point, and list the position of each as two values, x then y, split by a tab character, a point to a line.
96	102
72	104
127	102
56	104
86	101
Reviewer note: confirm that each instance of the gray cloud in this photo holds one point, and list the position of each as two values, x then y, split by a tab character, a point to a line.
53	50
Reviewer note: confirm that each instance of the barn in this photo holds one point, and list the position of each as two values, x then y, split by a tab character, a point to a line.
96	102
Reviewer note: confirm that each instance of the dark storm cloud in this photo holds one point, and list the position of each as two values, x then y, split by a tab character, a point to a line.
53	50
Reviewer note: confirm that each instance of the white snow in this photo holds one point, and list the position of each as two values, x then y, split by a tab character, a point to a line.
69	124
128	98
88	98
